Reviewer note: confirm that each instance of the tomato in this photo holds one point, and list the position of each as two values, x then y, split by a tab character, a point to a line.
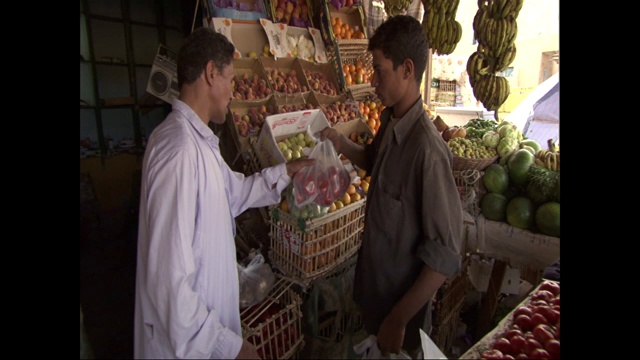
504	345
540	354
549	313
543	333
522	356
545	295
524	322
538	319
553	348
518	343
522	310
492	354
551	286
555	301
531	345
512	332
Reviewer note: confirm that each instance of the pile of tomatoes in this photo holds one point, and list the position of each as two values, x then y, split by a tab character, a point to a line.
535	328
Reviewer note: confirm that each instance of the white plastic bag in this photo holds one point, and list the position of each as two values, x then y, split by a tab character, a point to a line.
369	349
256	281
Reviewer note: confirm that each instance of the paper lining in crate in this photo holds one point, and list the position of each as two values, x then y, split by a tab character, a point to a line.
305	250
274	325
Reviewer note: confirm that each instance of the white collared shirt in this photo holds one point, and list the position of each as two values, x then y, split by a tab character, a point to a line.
187	297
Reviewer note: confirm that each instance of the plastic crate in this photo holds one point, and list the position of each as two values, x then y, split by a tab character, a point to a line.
274	325
306	250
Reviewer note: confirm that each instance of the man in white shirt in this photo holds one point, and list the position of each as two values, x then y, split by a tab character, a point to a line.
187	297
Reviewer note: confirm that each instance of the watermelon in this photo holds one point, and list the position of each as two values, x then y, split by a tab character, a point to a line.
495	178
521	212
547	218
518	166
493	206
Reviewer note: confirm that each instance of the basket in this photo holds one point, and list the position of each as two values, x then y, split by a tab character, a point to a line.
461	163
305	250
274	326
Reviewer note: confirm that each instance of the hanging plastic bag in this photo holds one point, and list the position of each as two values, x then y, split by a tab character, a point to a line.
256	281
369	350
323	182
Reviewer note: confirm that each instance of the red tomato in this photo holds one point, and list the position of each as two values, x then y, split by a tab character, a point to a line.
503	345
492	354
551	286
549	313
545	295
531	345
522	356
512	332
553	348
518	343
555	301
522	310
543	333
538	319
524	322
540	354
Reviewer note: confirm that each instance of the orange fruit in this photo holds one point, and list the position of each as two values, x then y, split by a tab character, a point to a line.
346	199
372	105
355	197
368	179
371	123
351	189
365	186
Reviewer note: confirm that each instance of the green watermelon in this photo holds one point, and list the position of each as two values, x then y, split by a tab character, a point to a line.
521	212
495	178
493	206
518	166
548	218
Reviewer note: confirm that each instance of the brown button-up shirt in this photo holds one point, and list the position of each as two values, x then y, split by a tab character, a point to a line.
413	217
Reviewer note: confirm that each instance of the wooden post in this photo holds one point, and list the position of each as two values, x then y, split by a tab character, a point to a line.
490	299
427	81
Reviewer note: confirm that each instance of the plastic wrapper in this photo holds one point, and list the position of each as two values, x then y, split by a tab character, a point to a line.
256	281
325	181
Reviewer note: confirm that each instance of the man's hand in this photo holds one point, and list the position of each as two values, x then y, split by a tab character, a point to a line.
333	135
296	165
391	335
247	351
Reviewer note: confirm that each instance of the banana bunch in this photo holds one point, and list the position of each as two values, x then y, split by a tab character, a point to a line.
548	159
396	7
495	28
438	22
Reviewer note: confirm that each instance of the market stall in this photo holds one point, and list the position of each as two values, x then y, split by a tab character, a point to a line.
304	65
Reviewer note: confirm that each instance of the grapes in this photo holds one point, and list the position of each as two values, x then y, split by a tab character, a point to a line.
471	148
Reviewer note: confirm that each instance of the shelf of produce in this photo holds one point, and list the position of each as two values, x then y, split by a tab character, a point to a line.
540	301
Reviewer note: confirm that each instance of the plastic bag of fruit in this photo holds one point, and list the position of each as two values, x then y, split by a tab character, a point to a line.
323	182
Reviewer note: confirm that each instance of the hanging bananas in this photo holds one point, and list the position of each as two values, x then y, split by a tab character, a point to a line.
438	22
548	159
495	29
396	7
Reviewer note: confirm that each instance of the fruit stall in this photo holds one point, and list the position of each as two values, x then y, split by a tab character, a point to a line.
302	65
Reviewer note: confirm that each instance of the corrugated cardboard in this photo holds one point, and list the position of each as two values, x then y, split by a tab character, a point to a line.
242	108
278	127
285	65
324	68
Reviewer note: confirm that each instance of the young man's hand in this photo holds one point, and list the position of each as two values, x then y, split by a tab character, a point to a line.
296	165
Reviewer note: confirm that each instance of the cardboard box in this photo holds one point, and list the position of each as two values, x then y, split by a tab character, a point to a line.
352	15
341	107
285	65
281	126
310	68
295	102
255	10
246	67
246	36
243	108
274	16
357	125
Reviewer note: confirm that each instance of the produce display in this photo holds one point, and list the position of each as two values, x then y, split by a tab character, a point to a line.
296	146
523	189
530	331
249	86
319	82
344	31
251	121
291	12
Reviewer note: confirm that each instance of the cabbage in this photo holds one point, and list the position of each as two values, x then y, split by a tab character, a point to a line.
506	146
508	130
491	138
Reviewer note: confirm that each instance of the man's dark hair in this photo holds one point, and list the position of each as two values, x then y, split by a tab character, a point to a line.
200	47
402	37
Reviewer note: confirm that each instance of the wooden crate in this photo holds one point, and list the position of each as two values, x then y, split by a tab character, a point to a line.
274	325
305	250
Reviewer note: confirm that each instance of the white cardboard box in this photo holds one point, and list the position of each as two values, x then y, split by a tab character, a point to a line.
280	126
